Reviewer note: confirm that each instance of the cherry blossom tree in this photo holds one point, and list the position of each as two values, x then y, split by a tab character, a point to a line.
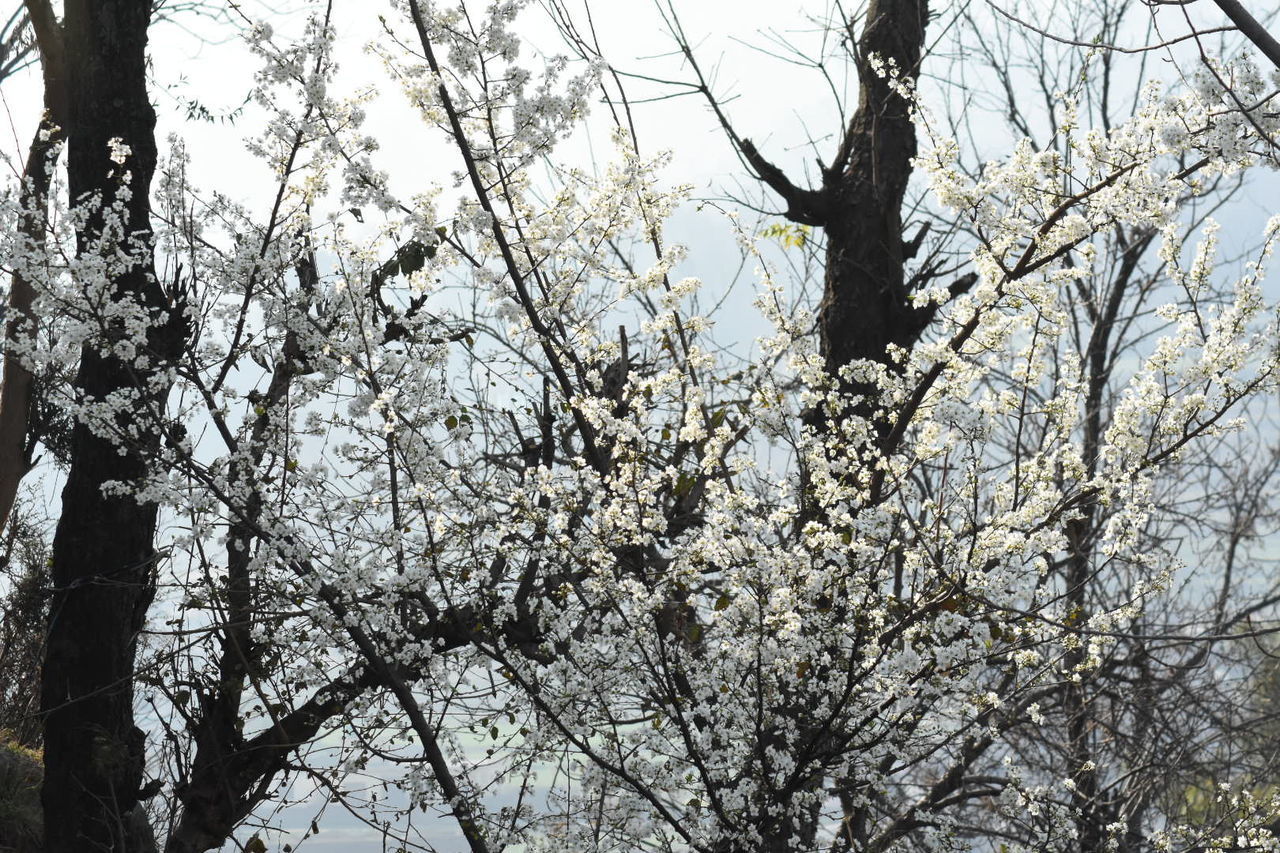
462	480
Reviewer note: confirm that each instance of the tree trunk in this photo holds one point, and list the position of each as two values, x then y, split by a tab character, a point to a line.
21	324
17	384
865	306
866	302
103	557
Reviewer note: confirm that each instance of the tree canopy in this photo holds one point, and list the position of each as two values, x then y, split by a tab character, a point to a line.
440	487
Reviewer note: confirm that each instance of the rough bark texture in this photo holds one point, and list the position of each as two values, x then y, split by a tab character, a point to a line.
865	306
103	557
16	390
17	387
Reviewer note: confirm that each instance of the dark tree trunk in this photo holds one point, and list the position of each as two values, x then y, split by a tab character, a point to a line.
103	557
17	386
865	306
232	775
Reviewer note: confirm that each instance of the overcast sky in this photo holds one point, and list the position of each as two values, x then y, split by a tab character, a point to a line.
779	105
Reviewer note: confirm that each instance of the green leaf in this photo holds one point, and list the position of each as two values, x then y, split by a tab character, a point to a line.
789	235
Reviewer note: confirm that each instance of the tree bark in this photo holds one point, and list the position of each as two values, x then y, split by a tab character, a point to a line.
103	556
865	305
21	324
1251	29
232	775
17	387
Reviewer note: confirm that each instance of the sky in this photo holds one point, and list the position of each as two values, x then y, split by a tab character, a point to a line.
776	102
